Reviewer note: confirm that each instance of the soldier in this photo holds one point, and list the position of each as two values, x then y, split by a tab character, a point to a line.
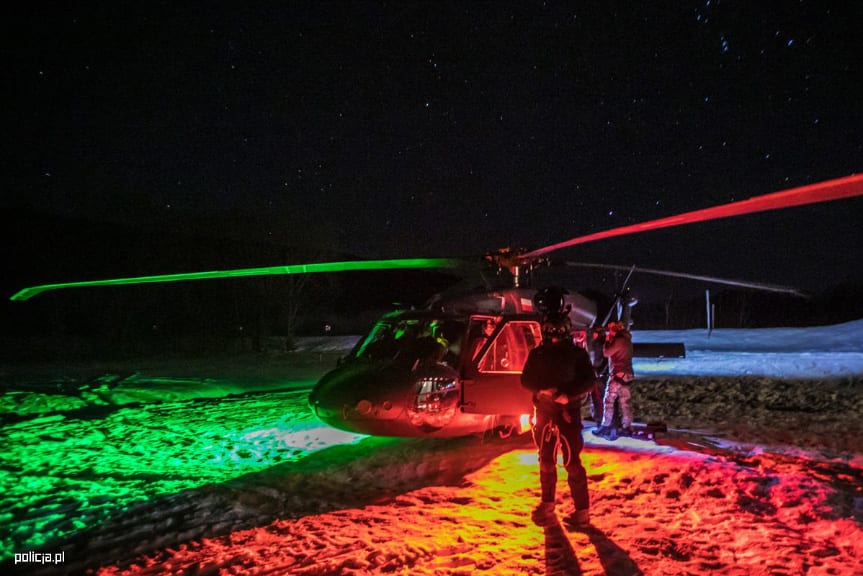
480	340
618	350
592	341
559	374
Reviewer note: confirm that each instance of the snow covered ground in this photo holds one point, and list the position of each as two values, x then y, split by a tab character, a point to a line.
811	353
170	466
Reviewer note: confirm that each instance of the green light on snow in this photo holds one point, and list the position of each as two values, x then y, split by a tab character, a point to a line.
68	471
410	263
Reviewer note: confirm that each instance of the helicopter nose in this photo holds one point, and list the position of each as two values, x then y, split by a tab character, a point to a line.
338	407
323	404
346	398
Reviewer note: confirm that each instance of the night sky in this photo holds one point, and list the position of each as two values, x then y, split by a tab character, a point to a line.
447	129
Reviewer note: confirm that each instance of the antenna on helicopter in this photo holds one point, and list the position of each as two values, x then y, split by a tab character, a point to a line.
623	309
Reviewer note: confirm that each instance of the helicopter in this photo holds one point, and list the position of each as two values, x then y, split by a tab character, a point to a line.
453	366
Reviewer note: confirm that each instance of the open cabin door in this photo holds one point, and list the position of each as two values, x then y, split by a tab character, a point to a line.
494	383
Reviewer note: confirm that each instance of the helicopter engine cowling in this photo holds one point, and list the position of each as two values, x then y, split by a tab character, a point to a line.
437	396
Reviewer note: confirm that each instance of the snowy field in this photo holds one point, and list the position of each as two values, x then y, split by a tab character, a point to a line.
218	467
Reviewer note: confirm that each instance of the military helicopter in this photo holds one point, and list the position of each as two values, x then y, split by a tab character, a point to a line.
453	367
450	369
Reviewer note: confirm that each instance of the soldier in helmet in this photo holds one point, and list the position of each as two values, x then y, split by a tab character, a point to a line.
559	373
618	350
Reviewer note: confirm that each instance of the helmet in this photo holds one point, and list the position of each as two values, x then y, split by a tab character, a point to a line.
488	327
556	326
550	300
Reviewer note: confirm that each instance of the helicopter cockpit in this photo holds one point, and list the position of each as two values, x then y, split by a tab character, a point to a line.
423	338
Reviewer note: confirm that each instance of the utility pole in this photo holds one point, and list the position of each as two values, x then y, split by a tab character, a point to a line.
709	312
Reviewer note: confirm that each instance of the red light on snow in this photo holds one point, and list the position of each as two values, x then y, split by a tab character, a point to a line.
653	512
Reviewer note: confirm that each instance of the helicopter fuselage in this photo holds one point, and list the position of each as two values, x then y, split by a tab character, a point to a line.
449	371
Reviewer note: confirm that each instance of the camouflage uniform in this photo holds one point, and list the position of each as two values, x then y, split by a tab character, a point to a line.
618	350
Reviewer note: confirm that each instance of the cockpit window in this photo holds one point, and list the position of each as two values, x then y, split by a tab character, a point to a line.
437	340
481	329
508	352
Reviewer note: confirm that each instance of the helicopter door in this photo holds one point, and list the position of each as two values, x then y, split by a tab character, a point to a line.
495	385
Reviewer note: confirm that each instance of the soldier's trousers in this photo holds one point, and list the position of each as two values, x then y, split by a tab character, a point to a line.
616	390
553	431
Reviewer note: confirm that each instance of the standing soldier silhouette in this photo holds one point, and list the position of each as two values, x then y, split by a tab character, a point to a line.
618	350
558	373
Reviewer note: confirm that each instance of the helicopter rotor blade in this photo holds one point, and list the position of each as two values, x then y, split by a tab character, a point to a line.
712	279
837	189
317	267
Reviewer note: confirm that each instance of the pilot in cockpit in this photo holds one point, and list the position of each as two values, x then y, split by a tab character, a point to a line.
479	340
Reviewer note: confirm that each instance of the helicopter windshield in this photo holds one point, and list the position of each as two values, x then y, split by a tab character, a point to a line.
434	339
